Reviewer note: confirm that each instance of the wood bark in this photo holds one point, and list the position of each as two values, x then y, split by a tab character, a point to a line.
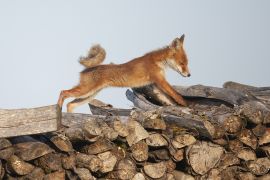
18	122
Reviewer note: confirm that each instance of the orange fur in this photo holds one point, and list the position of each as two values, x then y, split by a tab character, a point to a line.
138	72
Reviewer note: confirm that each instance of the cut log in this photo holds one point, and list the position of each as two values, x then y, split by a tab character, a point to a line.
57	175
69	162
228	159
18	166
203	156
246	176
235	146
179	175
62	143
247	137
183	140
138	176
36	174
108	161
120	128
7	153
136	132
100	146
84	174
159	154
4	143
126	169
18	122
32	150
259	130
156	140
91	162
246	154
140	151
155	170
259	167
177	154
50	162
265	138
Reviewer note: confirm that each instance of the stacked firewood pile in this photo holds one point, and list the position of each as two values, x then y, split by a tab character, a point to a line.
223	134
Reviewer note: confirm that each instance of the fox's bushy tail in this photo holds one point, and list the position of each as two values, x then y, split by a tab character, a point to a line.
96	56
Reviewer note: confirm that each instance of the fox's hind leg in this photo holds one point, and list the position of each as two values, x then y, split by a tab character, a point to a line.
79	91
79	101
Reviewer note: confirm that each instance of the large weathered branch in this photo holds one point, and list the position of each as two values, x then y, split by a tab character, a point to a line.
262	93
198	94
18	122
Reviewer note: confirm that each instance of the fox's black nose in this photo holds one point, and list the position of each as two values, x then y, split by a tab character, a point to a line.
188	75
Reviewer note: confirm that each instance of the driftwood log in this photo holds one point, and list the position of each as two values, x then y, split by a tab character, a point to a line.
18	122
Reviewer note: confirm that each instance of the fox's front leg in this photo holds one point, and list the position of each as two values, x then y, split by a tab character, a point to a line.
168	89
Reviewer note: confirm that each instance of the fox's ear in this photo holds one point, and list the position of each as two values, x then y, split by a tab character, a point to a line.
182	38
176	43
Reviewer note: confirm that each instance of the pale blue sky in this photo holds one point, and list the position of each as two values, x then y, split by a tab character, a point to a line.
41	41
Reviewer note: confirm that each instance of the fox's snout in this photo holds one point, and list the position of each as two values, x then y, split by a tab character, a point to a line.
185	74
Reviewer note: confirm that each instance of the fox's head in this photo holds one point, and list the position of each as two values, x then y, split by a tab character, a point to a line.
178	59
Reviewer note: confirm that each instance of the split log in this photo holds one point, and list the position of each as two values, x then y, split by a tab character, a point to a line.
18	122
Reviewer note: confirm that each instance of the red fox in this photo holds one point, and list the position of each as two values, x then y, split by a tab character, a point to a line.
138	72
